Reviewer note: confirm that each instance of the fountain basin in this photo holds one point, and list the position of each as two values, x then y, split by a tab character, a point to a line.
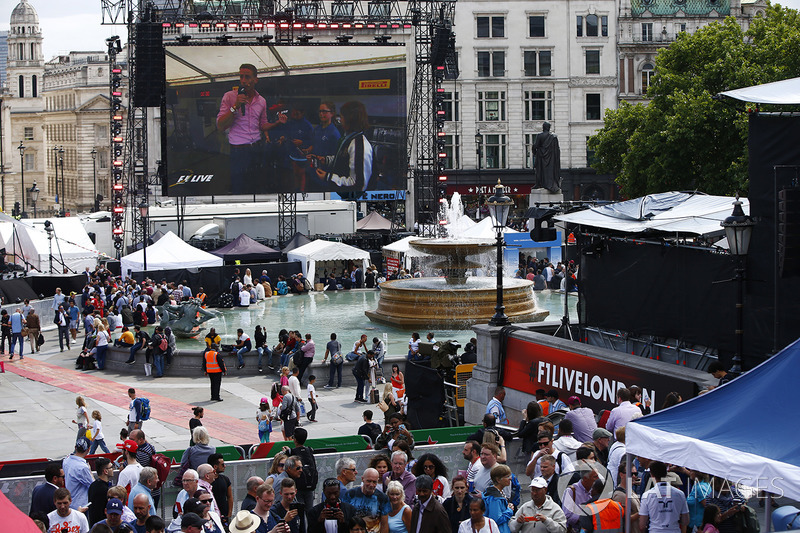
433	302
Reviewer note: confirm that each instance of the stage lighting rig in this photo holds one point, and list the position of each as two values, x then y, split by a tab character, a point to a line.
344	39
264	39
382	39
223	39
305	39
183	39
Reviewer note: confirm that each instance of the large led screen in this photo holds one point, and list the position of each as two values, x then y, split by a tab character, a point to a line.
285	118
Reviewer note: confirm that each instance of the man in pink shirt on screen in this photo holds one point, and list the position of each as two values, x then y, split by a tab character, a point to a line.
243	116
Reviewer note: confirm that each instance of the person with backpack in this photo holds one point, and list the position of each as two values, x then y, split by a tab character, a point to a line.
289	412
308	476
264	420
138	410
160	345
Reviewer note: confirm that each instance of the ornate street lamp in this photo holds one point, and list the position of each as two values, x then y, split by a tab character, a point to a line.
21	149
499	206
34	192
63	181
479	152
739	229
48	227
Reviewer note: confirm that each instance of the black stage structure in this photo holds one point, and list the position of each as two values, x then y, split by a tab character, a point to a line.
234	22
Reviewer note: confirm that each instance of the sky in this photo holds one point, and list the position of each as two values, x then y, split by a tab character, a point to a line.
72	25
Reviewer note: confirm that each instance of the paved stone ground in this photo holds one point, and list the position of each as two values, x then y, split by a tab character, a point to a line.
40	392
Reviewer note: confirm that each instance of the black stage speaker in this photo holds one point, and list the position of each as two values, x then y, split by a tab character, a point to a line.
442	45
148	84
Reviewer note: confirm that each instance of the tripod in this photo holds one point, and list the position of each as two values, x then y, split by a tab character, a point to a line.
565	319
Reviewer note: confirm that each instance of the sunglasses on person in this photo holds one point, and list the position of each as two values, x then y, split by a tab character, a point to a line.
543	444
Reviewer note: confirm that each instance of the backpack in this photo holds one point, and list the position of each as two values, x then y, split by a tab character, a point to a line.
162	465
285	413
308	477
164	344
297	358
263	425
144	409
747	519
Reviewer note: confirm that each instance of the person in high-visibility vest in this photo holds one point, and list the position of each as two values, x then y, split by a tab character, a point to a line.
601	515
214	367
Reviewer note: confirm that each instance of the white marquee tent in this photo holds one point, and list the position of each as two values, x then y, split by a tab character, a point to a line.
169	252
316	251
26	241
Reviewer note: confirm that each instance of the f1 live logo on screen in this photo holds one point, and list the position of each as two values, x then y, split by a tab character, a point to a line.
530	366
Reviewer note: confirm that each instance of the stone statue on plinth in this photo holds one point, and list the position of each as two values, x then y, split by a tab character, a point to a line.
548	161
185	318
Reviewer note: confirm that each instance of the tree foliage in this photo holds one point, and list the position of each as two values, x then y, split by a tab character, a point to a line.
684	139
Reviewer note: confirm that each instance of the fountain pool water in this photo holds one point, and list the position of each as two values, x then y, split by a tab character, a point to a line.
342	312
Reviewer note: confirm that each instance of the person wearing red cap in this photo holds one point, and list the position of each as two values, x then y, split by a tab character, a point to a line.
129	476
582	418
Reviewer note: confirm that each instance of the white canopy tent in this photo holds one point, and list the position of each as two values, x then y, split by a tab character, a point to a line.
785	92
403	251
669	212
169	252
309	254
71	246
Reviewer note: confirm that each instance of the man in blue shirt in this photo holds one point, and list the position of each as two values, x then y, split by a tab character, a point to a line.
77	474
17	323
371	505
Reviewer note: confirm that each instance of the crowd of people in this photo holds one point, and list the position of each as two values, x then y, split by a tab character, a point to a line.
562	276
579	481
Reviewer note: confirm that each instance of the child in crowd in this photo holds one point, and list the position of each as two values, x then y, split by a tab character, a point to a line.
312	398
98	439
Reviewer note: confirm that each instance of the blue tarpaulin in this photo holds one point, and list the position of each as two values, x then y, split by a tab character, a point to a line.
745	431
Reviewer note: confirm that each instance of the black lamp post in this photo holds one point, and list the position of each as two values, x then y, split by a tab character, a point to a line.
499	206
63	180
738	229
479	152
48	227
55	164
34	192
21	149
144	209
95	207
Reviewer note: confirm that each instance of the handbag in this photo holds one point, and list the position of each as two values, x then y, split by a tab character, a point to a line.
337	359
40	340
148	369
383	406
89	434
24	332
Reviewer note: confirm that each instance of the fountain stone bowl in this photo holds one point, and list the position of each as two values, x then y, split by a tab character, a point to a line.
455	299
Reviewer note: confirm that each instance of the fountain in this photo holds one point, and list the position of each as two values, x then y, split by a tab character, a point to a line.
455	298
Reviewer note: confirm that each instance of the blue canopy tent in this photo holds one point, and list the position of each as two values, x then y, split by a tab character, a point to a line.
714	433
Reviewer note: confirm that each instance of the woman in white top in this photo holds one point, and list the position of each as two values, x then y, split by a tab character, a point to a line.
477	522
101	341
413	346
98	439
247	279
400	515
81	417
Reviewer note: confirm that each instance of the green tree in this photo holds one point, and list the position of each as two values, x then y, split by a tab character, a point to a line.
684	139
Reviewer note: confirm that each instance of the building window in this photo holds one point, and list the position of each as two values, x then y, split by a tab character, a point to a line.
452	147
102	159
494	151
680	27
536	26
593	106
590	157
537	62
491	27
28	135
647	76
529	139
592	61
450	105
100	133
30	161
647	31
379	10
538	105
491	105
22	87
491	64
34	87
592	25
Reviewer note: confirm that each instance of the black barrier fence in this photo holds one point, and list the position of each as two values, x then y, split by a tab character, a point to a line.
217	280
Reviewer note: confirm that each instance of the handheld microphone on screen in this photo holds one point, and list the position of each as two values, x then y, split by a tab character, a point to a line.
242	91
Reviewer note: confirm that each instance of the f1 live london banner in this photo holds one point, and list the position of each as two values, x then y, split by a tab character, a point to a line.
529	366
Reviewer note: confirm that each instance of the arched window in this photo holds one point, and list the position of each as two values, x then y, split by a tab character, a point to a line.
647	76
20	52
22	87
33	53
34	89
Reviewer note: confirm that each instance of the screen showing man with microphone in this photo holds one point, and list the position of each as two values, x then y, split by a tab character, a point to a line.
243	117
